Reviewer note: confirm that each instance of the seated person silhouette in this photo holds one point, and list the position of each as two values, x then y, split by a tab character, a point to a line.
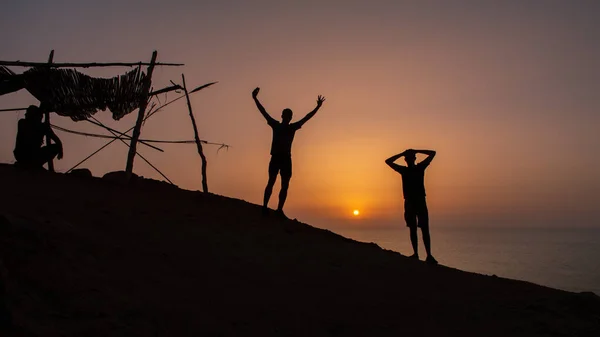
281	149
413	188
30	136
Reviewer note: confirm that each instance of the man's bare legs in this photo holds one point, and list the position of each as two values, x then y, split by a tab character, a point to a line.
423	222
426	241
285	184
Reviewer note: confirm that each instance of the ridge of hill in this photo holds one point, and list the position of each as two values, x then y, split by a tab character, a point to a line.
85	256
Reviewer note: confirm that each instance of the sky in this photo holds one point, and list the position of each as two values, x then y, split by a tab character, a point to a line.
504	91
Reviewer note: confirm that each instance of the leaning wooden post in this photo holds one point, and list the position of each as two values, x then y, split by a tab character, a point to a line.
198	143
138	124
47	119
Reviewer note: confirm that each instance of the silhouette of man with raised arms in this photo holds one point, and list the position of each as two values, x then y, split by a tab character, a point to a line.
281	149
30	136
413	188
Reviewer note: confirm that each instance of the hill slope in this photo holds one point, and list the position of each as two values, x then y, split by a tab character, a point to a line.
86	257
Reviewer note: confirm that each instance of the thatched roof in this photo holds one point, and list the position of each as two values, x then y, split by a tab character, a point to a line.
8	81
78	96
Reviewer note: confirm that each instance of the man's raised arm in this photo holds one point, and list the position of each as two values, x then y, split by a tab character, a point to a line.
430	154
310	115
261	108
390	161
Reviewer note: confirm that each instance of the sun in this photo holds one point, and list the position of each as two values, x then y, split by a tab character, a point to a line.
356	212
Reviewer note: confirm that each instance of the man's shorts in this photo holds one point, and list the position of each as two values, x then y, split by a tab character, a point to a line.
416	214
281	165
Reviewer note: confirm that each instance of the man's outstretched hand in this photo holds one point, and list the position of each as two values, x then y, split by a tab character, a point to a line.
320	100
255	92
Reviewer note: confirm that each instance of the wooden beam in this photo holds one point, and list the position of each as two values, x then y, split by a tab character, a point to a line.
47	119
15	109
84	65
138	124
124	142
197	138
121	134
164	90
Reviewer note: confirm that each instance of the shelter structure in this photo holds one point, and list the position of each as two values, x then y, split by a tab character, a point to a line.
62	89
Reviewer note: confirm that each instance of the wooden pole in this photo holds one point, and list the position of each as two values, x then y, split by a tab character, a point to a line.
15	109
138	124
47	119
83	65
198	142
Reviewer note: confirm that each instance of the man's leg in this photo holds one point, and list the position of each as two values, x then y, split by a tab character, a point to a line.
285	184
423	215
273	170
29	160
426	240
269	189
411	221
424	225
286	175
414	241
47	153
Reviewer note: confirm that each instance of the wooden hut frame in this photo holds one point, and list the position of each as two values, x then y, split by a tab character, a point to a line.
142	116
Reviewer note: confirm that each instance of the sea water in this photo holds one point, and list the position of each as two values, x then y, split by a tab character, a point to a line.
565	258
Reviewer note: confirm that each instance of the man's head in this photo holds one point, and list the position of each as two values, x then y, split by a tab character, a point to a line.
410	158
286	116
34	113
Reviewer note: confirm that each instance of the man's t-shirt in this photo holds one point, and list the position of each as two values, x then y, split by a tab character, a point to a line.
413	180
283	135
30	136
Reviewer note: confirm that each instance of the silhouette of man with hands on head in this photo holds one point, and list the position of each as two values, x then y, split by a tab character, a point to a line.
281	149
413	188
30	136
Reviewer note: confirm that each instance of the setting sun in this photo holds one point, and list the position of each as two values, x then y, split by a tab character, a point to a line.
356	212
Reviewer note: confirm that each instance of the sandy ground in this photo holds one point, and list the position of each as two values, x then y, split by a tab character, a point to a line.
90	257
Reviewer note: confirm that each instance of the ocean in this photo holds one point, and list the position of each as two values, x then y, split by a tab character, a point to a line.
567	259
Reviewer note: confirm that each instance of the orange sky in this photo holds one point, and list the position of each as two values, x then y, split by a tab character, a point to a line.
505	92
